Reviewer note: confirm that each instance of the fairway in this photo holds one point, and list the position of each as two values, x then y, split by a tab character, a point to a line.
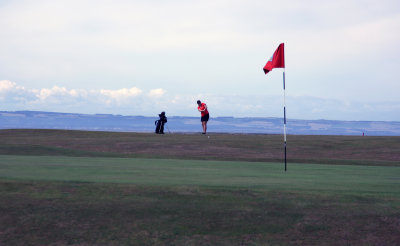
360	180
100	188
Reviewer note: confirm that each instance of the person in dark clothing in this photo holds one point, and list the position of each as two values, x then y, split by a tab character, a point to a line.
160	123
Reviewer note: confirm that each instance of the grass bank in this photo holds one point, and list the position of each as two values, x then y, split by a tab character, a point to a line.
348	150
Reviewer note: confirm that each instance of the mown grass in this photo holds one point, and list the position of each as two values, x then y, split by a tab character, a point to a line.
49	200
169	172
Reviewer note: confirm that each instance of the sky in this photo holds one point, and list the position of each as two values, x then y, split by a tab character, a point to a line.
143	57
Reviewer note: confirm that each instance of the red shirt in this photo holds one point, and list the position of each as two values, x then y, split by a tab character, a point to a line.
203	109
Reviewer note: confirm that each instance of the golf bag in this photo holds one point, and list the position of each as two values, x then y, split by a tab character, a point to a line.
160	123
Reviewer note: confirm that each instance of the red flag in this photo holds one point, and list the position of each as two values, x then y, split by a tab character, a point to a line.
277	60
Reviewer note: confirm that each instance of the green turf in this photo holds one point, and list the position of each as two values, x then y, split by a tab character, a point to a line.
54	200
371	180
104	188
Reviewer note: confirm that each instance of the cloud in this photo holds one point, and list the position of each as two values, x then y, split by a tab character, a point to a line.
56	91
157	92
135	101
6	85
332	48
11	93
119	97
140	26
121	93
208	50
57	98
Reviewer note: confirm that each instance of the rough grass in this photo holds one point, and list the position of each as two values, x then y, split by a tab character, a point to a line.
353	150
53	213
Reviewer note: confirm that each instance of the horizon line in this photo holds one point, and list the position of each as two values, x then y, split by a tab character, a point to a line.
242	117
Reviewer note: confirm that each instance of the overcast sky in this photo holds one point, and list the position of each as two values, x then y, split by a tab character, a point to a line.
143	57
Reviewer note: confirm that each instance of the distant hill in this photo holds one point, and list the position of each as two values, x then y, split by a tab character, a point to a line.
108	122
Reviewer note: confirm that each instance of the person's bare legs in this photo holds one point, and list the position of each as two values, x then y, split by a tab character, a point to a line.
204	125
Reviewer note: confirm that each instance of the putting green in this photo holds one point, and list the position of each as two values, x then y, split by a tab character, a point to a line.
360	180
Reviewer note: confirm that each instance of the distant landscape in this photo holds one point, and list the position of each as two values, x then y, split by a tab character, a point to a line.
182	124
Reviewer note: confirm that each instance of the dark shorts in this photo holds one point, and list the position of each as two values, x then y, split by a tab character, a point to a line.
205	117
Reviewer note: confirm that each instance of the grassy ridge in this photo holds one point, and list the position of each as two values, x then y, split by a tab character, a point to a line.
351	150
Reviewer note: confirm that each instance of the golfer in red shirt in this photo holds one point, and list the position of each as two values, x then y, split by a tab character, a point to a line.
202	107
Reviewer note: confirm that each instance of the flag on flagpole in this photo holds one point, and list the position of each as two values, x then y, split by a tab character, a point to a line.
277	60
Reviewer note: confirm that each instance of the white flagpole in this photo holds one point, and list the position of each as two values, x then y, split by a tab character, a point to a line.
284	115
